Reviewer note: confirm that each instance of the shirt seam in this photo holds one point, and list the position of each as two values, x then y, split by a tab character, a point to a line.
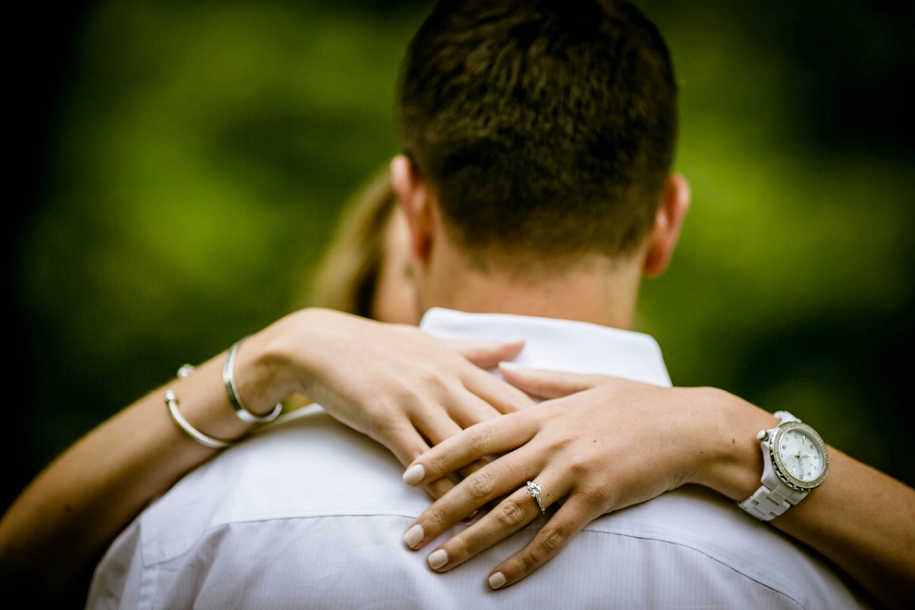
226	523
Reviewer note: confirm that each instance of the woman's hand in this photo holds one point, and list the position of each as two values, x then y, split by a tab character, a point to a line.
599	445
394	383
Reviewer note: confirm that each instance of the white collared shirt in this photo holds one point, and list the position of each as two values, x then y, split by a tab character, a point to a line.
309	514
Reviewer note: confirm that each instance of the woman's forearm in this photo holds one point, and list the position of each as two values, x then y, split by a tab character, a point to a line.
859	518
69	514
862	520
77	505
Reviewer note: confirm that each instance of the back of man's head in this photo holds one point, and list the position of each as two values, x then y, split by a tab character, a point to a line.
546	127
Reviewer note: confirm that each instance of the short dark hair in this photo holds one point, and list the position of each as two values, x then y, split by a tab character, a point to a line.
546	127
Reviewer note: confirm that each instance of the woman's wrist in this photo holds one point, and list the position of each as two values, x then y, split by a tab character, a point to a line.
268	367
729	457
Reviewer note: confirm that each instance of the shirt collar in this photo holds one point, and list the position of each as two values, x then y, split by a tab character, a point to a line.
559	345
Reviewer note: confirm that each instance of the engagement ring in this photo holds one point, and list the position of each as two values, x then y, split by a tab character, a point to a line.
533	490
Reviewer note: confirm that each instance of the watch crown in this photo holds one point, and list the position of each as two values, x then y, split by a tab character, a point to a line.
763	435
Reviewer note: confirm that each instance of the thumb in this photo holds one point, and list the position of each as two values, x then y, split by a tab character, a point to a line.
548	384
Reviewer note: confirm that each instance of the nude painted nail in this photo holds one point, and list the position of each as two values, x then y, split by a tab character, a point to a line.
497	580
414	536
414	474
438	559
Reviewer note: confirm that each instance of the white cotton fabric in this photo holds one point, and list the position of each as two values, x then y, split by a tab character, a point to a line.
308	514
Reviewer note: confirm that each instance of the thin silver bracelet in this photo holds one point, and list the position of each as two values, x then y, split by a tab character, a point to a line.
194	433
228	379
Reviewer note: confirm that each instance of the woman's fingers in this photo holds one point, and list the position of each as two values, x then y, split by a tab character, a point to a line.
503	397
466	409
502	477
487	438
438	489
550	384
407	444
573	515
485	354
435	425
512	514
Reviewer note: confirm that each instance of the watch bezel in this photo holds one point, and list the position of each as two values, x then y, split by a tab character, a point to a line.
781	469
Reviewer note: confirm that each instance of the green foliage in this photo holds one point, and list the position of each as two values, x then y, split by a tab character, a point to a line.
203	150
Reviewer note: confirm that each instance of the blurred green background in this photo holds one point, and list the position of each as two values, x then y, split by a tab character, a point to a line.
184	164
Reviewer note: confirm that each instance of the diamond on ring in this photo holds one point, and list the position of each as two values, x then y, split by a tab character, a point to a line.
533	490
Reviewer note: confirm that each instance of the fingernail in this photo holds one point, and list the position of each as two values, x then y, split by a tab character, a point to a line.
497	580
510	366
438	559
414	474
414	536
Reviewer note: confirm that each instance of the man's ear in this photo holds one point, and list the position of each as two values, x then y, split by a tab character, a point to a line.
667	224
414	196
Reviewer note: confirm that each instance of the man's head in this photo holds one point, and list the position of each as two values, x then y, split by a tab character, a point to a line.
543	130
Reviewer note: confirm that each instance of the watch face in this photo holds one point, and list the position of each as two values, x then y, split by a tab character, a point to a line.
800	456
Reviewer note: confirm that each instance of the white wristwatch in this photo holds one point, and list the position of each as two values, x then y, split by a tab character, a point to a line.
795	462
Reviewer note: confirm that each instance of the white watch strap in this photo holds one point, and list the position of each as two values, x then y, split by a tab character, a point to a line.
784	416
773	497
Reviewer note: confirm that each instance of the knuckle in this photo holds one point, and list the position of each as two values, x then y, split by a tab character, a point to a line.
388	411
536	555
599	495
510	514
579	468
372	423
480	485
408	401
479	439
601	492
551	541
436	521
432	378
558	447
546	544
435	465
526	563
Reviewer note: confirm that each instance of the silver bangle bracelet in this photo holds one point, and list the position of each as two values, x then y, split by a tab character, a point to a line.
228	379
194	433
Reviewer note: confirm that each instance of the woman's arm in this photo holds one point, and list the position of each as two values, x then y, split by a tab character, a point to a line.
393	383
78	504
862	520
601	449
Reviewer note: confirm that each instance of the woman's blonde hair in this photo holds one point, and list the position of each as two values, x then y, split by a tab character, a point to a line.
347	276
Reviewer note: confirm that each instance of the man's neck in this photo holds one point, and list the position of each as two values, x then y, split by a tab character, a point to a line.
595	291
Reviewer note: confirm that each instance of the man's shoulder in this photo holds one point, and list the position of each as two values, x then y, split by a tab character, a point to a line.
706	523
308	465
311	500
